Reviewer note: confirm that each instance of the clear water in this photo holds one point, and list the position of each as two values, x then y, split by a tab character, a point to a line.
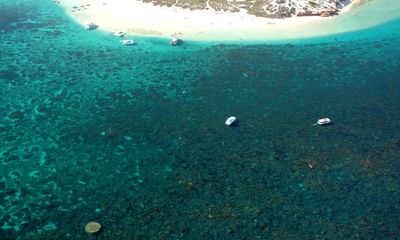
134	137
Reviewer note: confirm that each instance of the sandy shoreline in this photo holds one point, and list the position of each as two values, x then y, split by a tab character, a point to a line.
139	18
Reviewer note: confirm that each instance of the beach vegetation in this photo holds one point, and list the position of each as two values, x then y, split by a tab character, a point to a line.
313	3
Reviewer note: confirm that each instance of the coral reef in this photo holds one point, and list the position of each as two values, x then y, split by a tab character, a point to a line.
135	138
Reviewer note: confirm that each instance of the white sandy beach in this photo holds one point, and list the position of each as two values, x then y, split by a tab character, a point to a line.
137	18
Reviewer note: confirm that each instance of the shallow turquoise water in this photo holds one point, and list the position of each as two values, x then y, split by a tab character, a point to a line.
134	138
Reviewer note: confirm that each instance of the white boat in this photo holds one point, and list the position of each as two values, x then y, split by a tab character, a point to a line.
119	34
90	26
128	42
175	41
230	120
323	121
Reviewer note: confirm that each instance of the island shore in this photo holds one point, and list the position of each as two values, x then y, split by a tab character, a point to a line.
138	18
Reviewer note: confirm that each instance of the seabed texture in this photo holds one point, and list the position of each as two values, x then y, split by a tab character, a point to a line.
134	137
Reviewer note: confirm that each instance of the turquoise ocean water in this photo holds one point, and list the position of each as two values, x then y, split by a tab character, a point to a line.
134	137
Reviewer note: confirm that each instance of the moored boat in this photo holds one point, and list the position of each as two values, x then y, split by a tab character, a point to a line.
119	34
323	121
90	26
175	40
127	42
230	120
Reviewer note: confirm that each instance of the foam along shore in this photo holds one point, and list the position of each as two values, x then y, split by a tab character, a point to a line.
137	18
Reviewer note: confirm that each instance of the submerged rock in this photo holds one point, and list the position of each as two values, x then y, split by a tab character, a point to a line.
92	227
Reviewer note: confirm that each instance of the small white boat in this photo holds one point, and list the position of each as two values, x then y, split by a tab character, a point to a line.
90	26
119	34
175	41
323	121
128	42
230	120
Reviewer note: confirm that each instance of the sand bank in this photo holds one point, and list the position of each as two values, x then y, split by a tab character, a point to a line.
139	18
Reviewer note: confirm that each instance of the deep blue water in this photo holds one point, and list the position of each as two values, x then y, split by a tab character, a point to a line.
134	138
